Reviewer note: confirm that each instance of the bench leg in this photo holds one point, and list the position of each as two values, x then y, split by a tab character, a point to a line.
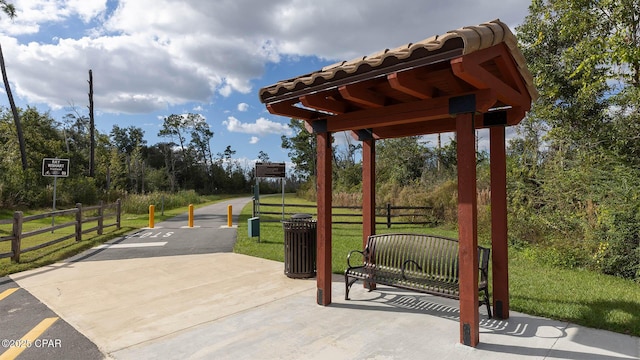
486	302
348	285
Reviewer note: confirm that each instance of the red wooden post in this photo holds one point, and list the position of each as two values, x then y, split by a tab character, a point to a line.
324	219
499	253
368	193
368	190
467	230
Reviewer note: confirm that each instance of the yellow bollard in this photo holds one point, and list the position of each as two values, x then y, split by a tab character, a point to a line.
229	219
152	210
190	215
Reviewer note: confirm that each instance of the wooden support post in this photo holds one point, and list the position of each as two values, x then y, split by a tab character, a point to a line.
467	230
324	219
79	222
118	210
17	235
388	215
101	218
368	190
499	253
368	194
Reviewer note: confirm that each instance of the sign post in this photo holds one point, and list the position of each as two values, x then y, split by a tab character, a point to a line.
56	168
271	170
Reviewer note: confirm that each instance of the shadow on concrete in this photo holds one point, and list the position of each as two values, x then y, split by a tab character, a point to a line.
516	327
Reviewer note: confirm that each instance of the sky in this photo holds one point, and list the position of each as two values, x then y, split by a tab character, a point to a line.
154	58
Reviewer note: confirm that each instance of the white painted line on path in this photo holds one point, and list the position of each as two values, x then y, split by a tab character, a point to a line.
124	246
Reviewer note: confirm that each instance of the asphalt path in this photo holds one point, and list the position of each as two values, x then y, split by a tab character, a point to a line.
26	321
209	234
21	312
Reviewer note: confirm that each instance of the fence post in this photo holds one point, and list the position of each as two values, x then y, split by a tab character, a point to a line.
388	215
17	235
100	217
79	222
118	209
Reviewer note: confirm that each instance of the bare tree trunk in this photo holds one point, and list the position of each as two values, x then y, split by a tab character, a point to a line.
92	129
14	110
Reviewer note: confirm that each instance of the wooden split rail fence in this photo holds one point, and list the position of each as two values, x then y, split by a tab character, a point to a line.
398	215
109	211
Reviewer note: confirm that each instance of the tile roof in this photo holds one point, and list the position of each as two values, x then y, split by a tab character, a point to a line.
444	47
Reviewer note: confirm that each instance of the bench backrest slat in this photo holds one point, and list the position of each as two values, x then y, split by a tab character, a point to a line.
435	255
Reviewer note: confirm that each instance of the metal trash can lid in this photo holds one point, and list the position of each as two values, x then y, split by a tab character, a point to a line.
301	216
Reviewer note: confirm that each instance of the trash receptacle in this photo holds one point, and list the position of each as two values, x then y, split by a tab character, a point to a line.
300	246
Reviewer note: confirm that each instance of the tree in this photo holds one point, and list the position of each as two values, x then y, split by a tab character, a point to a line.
263	157
585	58
129	141
10	11
226	157
302	149
201	136
175	126
401	160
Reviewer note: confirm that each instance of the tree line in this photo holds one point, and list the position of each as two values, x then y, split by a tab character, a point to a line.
124	162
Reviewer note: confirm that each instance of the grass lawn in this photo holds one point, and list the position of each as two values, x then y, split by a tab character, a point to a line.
573	295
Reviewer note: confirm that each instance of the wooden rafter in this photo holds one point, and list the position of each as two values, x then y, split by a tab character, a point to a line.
362	95
469	68
407	83
288	109
322	102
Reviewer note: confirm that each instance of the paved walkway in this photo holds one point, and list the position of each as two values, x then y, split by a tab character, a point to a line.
220	305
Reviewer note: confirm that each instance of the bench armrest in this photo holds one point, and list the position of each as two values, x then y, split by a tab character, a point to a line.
349	258
404	266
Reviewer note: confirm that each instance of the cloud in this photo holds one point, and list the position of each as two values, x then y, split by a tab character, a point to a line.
147	55
254	140
243	107
262	126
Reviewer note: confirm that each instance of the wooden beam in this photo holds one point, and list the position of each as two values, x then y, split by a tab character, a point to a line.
514	116
322	102
423	110
361	95
499	245
469	68
323	234
418	128
289	109
407	83
467	231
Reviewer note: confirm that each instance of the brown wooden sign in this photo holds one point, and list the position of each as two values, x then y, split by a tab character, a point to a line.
270	170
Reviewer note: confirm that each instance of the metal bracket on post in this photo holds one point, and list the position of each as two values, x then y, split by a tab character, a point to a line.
495	118
364	134
466	334
319	126
462	104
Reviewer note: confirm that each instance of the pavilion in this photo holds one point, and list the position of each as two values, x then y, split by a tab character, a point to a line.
470	78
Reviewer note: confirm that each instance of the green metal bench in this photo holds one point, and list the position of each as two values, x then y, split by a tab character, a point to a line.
422	263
